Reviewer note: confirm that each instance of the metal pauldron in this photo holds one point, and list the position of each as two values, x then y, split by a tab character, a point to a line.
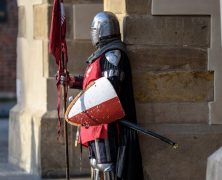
113	57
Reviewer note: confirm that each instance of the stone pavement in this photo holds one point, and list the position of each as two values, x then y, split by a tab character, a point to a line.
8	171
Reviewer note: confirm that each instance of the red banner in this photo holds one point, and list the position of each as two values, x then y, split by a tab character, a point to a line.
58	48
58	32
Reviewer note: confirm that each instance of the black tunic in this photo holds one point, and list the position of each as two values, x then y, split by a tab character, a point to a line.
129	161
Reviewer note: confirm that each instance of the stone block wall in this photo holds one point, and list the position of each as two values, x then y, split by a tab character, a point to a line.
169	58
173	85
172	80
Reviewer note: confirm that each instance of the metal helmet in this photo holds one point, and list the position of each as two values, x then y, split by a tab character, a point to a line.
104	25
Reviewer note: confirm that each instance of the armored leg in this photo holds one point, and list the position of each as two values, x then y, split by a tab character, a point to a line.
101	159
95	170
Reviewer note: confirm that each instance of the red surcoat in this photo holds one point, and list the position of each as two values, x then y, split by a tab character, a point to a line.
93	72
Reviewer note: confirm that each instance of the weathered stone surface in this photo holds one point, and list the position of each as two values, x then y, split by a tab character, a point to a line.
180	7
83	20
165	58
172	112
24	2
69	21
78	52
189	161
40	21
168	30
52	93
138	7
214	166
24	139
173	87
32	66
22	21
115	6
53	163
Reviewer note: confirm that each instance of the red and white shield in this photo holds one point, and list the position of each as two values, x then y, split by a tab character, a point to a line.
98	104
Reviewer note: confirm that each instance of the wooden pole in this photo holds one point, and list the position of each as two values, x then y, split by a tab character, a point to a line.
64	92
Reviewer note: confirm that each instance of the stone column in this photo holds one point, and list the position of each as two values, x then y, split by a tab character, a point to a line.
173	84
33	143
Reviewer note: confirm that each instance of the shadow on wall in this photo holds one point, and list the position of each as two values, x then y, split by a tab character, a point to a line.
5	105
33	155
8	36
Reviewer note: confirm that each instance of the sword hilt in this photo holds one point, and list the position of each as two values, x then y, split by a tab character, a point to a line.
176	146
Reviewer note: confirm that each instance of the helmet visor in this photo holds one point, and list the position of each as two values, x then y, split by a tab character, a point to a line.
94	36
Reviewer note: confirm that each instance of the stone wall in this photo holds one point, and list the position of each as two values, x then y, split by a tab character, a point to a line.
169	60
173	84
33	143
176	70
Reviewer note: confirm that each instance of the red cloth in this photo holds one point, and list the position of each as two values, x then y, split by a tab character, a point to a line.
93	72
57	30
54	37
58	48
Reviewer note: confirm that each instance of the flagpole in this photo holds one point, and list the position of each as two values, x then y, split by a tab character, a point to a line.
64	92
65	89
58	49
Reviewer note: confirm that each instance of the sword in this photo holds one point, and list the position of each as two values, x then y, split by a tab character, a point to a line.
147	132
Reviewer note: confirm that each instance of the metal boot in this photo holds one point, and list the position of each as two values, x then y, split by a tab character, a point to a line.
108	171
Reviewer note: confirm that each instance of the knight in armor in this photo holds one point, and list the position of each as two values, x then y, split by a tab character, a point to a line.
113	150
